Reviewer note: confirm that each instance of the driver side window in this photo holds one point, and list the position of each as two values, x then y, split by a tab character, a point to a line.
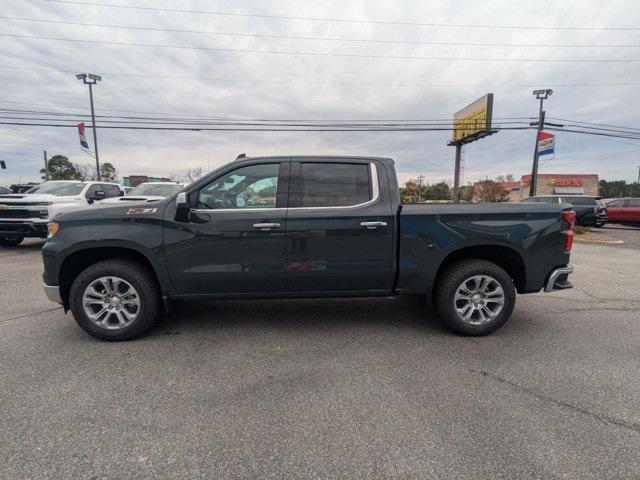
254	186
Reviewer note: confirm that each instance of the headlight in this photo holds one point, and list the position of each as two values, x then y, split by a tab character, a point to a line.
44	213
52	229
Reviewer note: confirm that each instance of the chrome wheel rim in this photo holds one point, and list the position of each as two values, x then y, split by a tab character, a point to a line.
479	300
111	303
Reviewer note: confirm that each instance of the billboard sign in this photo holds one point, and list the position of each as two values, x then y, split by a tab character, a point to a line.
546	143
473	121
83	138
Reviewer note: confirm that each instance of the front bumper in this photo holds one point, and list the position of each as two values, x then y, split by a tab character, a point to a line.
558	279
53	293
24	228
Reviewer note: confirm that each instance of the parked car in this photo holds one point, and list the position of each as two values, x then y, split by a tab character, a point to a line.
147	192
302	227
27	214
624	210
4	190
590	211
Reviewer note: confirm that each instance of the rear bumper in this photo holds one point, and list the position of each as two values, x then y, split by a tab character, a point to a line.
53	293
558	279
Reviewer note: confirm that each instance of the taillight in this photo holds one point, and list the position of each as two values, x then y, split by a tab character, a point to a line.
569	217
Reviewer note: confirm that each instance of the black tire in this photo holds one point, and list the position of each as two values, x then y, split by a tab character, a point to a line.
451	279
10	241
140	278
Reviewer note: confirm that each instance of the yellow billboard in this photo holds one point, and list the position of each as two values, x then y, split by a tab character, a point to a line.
473	121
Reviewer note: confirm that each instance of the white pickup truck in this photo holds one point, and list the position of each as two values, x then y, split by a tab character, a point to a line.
27	214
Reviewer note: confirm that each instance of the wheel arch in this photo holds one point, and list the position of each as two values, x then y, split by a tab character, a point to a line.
505	257
81	259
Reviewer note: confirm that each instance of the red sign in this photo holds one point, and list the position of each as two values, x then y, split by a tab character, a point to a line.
565	182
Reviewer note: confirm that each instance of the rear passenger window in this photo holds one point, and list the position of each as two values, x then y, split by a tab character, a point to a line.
334	184
634	203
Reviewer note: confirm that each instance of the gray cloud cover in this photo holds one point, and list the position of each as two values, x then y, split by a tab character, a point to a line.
248	91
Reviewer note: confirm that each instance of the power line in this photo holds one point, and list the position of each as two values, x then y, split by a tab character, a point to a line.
599	134
341	20
329	84
316	38
322	54
593	123
253	129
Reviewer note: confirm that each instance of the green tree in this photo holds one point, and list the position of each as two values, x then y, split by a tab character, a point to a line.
437	191
60	168
618	188
108	172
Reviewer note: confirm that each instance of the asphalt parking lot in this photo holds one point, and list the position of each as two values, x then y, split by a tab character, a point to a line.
327	388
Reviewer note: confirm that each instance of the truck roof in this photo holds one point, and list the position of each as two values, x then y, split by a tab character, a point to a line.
385	160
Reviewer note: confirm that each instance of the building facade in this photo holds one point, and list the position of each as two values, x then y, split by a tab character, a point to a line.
554	184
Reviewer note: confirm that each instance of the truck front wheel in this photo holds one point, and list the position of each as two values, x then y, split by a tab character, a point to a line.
474	297
115	300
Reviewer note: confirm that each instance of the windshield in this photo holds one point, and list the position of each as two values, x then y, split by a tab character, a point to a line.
60	189
158	189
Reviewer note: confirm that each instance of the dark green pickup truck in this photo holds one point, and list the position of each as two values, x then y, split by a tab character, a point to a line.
277	227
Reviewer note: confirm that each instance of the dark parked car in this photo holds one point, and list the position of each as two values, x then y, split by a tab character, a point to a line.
624	210
297	227
590	211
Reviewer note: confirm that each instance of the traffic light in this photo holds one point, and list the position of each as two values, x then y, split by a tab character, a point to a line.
3	165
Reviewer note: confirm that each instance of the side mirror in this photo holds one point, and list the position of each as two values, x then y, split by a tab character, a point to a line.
182	207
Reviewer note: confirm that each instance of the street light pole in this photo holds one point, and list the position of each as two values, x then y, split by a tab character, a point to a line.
541	95
92	80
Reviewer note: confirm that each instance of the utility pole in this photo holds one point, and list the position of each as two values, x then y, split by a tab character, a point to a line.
92	80
541	95
420	178
638	173
456	176
46	166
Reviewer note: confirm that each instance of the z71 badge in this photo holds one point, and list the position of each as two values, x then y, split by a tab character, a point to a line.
142	211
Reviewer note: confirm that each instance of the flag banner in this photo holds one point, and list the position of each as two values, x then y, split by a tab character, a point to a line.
546	143
83	138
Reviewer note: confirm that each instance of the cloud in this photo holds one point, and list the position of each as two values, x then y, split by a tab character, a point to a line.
248	92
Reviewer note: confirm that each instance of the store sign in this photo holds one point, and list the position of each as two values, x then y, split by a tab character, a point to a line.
473	121
565	182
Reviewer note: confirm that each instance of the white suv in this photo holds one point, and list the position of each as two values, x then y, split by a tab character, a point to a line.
27	214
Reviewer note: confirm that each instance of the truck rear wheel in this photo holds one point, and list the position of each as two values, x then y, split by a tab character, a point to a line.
115	300
10	241
474	297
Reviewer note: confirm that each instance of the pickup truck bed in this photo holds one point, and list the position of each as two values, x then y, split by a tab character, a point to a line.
275	227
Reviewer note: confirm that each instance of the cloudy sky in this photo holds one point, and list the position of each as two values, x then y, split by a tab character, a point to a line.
38	74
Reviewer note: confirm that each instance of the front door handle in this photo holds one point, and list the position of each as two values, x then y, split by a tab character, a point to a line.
373	225
265	227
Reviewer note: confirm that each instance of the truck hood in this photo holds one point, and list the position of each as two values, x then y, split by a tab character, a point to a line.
135	199
36	197
110	211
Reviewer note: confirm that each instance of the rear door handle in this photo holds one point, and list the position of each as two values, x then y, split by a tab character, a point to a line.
265	227
373	225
